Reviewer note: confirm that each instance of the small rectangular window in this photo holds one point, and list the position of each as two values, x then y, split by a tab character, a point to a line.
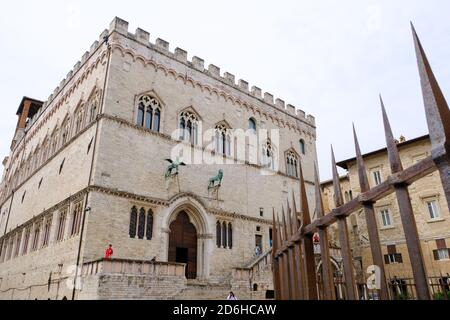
386	219
433	209
377	177
261	212
393	257
443	254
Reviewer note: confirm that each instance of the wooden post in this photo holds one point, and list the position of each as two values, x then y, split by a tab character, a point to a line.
344	239
407	215
327	271
371	221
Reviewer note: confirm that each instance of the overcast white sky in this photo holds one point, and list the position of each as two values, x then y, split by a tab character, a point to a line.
329	58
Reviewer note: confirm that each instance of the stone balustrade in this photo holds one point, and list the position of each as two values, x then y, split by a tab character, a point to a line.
133	267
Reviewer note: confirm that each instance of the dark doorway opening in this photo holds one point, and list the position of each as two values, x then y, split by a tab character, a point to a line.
183	244
270	294
182	255
259	242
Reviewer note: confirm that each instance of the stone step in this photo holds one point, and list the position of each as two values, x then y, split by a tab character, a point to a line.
197	290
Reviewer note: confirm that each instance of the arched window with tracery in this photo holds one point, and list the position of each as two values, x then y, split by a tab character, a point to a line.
65	131
133	222
93	105
45	150
79	119
223	139
189	127
149	231
54	141
268	156
37	152
141	224
291	164
28	165
149	113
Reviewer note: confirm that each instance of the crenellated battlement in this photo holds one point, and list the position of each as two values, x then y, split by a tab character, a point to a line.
122	27
93	48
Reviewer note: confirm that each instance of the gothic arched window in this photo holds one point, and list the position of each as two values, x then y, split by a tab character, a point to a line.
223	140
268	159
149	113
303	147
141	115
93	105
252	124
149	231
141	224
133	222
148	117
189	127
230	236
157	120
65	131
219	234
79	119
44	151
291	164
54	141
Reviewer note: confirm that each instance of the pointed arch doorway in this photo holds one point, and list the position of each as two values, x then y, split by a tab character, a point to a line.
183	244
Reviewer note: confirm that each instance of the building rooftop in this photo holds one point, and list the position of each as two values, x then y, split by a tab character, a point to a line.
344	164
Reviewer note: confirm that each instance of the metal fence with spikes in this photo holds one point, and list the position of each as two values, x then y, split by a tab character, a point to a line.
294	265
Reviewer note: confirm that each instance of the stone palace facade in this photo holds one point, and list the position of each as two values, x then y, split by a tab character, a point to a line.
89	167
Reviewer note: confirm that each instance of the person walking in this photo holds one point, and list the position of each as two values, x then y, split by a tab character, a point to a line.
109	252
231	297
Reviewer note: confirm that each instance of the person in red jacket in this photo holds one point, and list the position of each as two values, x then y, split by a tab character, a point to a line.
109	252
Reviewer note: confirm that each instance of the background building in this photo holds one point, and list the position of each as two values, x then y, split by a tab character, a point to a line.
429	205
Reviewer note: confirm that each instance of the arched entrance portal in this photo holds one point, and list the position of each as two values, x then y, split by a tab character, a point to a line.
183	244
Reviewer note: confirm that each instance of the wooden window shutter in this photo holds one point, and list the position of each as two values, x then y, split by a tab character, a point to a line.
392	249
436	255
441	244
398	258
386	259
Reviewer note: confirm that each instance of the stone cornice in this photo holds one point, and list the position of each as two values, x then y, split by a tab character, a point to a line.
167	203
169	138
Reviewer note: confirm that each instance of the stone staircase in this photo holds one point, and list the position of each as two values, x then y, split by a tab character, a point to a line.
199	290
256	272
